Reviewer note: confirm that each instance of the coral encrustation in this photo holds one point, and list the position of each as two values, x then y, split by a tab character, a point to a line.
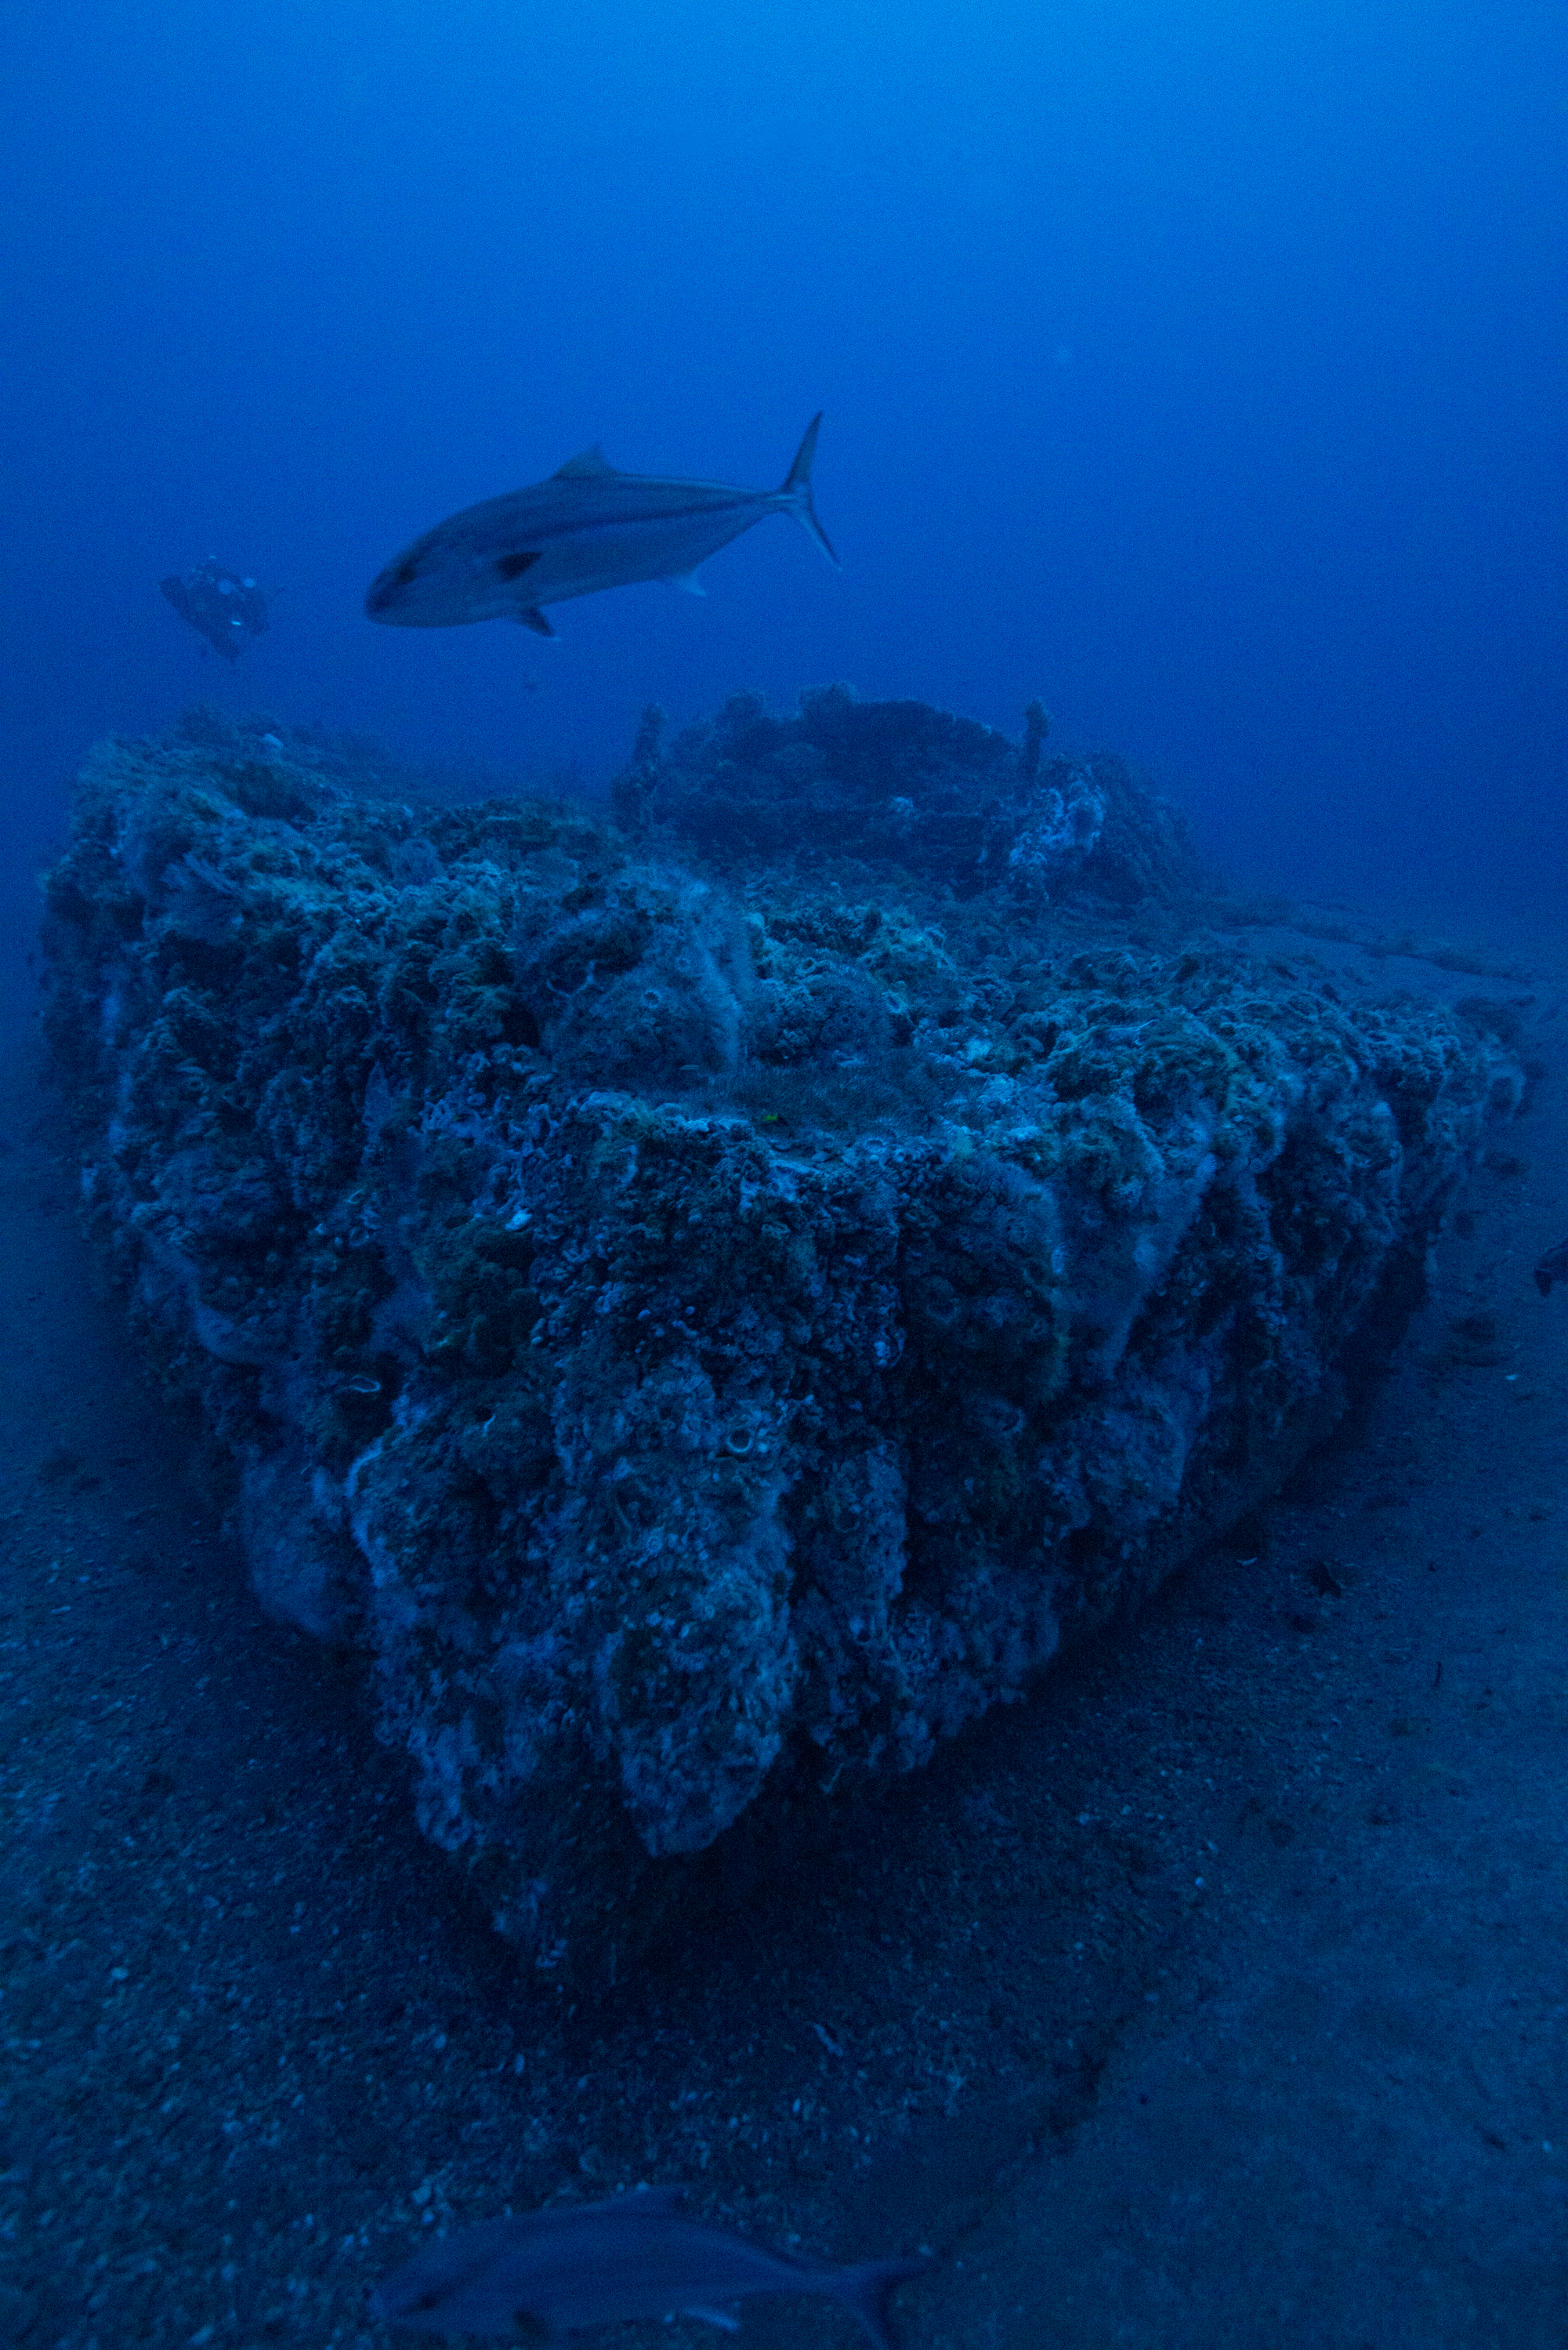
701	1336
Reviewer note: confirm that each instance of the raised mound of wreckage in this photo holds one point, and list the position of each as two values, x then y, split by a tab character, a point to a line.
710	1302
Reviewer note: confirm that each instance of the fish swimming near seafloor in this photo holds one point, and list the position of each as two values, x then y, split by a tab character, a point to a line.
579	2264
586	528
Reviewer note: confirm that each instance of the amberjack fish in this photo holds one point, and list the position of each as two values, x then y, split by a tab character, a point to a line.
587	527
580	2264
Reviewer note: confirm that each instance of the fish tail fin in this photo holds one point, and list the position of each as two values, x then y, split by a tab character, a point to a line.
797	491
865	2290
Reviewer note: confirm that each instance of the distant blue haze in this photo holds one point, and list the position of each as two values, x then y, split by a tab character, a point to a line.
1200	369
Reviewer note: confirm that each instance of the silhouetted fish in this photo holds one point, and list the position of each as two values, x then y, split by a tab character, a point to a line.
582	2264
586	528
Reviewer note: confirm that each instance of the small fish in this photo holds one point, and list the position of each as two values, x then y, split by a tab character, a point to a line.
586	528
579	2264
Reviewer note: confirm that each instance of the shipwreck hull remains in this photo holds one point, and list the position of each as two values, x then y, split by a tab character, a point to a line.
701	1317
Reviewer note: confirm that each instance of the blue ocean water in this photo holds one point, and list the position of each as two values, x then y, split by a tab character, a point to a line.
1200	370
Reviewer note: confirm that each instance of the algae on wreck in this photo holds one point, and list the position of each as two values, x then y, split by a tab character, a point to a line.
708	1309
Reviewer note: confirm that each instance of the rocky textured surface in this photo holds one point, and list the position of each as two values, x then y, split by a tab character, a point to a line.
708	1318
897	787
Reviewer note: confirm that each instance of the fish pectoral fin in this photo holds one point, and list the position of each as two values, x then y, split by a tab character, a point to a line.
719	2317
585	465
533	618
686	579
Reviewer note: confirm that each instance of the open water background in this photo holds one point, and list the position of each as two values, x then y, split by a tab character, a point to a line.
1200	369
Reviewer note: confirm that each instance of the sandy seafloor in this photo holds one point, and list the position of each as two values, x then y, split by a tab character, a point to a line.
1218	1996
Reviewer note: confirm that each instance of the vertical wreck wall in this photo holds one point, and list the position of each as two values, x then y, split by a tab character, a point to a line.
701	1316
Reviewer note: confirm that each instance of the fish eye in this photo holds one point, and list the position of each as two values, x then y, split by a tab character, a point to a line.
406	573
513	566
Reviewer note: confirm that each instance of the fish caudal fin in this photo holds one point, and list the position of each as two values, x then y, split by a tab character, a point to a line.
865	2290
797	490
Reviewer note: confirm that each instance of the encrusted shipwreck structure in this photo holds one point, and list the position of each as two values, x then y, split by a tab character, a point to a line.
709	1304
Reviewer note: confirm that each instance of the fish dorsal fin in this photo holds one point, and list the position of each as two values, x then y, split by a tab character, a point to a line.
583	465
